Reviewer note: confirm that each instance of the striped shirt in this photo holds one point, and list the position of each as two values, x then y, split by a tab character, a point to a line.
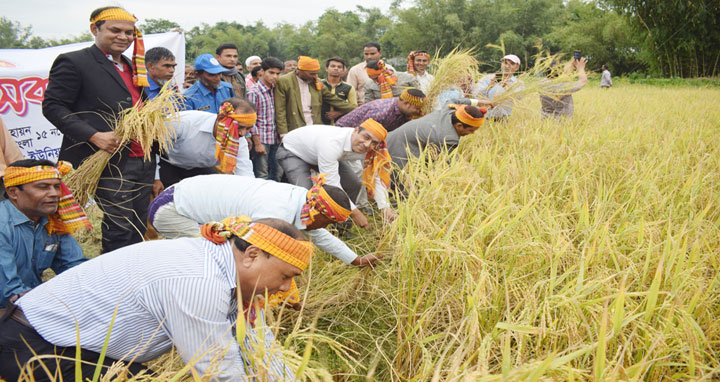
264	99
167	293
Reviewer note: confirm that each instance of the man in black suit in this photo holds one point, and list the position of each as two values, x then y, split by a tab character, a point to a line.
87	89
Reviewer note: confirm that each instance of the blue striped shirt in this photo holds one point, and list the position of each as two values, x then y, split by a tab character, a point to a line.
167	293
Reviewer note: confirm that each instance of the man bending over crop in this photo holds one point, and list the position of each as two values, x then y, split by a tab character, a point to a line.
441	128
190	293
180	210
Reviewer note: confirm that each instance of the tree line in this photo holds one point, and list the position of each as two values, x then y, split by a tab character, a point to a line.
665	38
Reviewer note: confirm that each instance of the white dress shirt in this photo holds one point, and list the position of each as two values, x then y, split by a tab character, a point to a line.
425	80
324	146
194	145
167	293
208	198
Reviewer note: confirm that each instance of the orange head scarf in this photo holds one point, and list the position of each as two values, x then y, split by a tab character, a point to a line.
69	217
270	240
319	202
377	162
411	60
138	60
310	64
227	140
385	79
463	116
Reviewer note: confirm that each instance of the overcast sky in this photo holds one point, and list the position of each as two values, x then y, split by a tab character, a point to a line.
64	18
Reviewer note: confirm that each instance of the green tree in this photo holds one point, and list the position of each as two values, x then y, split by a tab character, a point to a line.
157	26
680	38
15	36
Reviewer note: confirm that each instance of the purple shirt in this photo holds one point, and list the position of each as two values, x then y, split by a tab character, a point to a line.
264	99
385	111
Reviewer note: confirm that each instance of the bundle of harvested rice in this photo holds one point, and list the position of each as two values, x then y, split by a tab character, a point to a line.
145	123
452	71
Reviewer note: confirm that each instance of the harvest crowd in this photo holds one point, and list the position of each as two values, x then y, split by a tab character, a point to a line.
260	163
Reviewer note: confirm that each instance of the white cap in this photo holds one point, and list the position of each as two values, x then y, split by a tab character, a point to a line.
512	58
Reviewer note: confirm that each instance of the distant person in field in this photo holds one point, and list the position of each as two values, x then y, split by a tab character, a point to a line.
439	129
210	91
161	69
265	136
335	68
180	212
227	56
417	63
333	151
289	66
389	112
492	86
383	83
556	96
39	217
606	79
189	294
357	75
251	63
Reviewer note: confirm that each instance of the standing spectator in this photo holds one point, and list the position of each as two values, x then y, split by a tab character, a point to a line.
161	68
255	75
335	67
227	56
417	63
289	66
556	97
250	63
491	87
86	88
383	83
389	112
189	76
357	76
265	137
36	234
606	79
299	96
209	92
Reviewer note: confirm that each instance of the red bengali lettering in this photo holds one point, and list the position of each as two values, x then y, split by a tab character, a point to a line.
16	94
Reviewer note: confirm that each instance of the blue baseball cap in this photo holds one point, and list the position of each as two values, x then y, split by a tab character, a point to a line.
208	63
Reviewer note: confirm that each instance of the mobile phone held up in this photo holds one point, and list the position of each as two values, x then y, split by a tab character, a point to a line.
576	55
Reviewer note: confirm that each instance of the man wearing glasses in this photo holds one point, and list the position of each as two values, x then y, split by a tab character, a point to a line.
332	150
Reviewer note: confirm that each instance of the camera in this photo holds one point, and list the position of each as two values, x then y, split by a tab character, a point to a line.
576	55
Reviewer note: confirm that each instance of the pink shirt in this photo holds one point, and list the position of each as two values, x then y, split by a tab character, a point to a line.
306	101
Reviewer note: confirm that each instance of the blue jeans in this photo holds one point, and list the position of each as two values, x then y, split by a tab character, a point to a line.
266	166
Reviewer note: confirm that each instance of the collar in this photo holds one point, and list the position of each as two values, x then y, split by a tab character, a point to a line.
153	85
17	217
119	65
226	260
204	90
264	88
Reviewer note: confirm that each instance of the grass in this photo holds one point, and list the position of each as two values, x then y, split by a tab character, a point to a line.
580	250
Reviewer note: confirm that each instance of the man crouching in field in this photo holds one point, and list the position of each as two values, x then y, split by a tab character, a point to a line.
184	293
441	128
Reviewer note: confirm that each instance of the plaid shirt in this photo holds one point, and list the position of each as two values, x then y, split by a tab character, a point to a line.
264	99
385	111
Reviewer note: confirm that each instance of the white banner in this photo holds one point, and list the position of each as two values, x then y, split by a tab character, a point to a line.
24	77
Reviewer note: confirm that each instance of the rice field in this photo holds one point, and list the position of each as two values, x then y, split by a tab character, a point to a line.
581	250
